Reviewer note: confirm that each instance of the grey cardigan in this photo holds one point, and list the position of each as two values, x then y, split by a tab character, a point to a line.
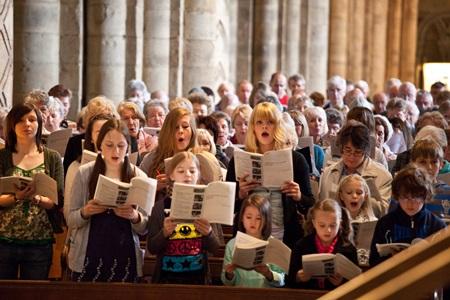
80	226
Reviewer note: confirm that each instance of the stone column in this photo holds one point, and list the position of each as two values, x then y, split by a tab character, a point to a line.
337	52
105	64
355	40
291	36
409	40
314	44
201	61
71	52
368	47
157	44
6	58
265	39
244	42
380	11
176	48
36	45
394	39
134	40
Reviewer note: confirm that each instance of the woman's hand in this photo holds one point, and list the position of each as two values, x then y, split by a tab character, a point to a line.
302	276
26	192
292	189
335	279
127	212
42	201
202	225
229	271
92	208
245	187
264	270
169	226
162	181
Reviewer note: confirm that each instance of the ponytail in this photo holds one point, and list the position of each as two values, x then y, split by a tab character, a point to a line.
346	230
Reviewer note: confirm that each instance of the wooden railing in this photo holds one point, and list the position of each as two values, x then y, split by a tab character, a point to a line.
49	290
415	273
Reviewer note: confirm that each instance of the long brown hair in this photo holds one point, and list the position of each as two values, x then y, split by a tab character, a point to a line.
127	171
329	205
260	202
167	147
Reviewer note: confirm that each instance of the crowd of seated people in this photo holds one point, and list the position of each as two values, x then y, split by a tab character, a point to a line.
354	159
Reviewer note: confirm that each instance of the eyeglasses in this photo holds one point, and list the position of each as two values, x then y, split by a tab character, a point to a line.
414	199
354	153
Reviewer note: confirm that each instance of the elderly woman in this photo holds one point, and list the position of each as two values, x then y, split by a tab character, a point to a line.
55	115
354	143
132	117
239	121
317	123
155	112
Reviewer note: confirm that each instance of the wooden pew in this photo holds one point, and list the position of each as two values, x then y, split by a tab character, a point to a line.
111	291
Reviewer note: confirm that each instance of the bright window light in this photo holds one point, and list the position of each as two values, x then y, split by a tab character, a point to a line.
433	72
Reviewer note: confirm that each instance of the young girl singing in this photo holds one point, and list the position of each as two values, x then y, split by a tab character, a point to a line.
354	194
105	245
327	230
181	248
255	219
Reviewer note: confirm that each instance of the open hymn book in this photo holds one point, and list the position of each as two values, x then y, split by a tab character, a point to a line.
393	248
213	202
249	252
271	169
326	264
140	191
44	185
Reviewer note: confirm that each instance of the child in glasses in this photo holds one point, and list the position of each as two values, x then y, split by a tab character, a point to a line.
412	188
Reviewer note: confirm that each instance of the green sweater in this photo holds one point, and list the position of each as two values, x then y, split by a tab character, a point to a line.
53	168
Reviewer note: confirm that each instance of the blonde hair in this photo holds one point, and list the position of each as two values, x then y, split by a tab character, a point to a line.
243	110
317	111
366	207
299	118
133	107
204	134
210	169
96	106
180	102
267	111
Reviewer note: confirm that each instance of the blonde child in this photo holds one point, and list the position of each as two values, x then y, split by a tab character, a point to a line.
181	248
328	230
354	195
255	219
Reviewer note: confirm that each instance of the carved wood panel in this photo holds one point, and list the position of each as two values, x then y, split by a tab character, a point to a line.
6	52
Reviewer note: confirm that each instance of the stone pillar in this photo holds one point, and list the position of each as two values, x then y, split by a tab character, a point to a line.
71	52
409	40
201	61
157	44
6	58
176	47
394	39
134	40
314	44
355	40
380	11
36	45
265	39
228	15
105	64
368	47
337	52
291	36
244	42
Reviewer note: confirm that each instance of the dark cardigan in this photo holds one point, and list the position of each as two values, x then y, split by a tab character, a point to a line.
307	246
54	169
292	228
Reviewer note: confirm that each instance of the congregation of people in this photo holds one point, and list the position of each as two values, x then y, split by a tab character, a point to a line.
376	158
